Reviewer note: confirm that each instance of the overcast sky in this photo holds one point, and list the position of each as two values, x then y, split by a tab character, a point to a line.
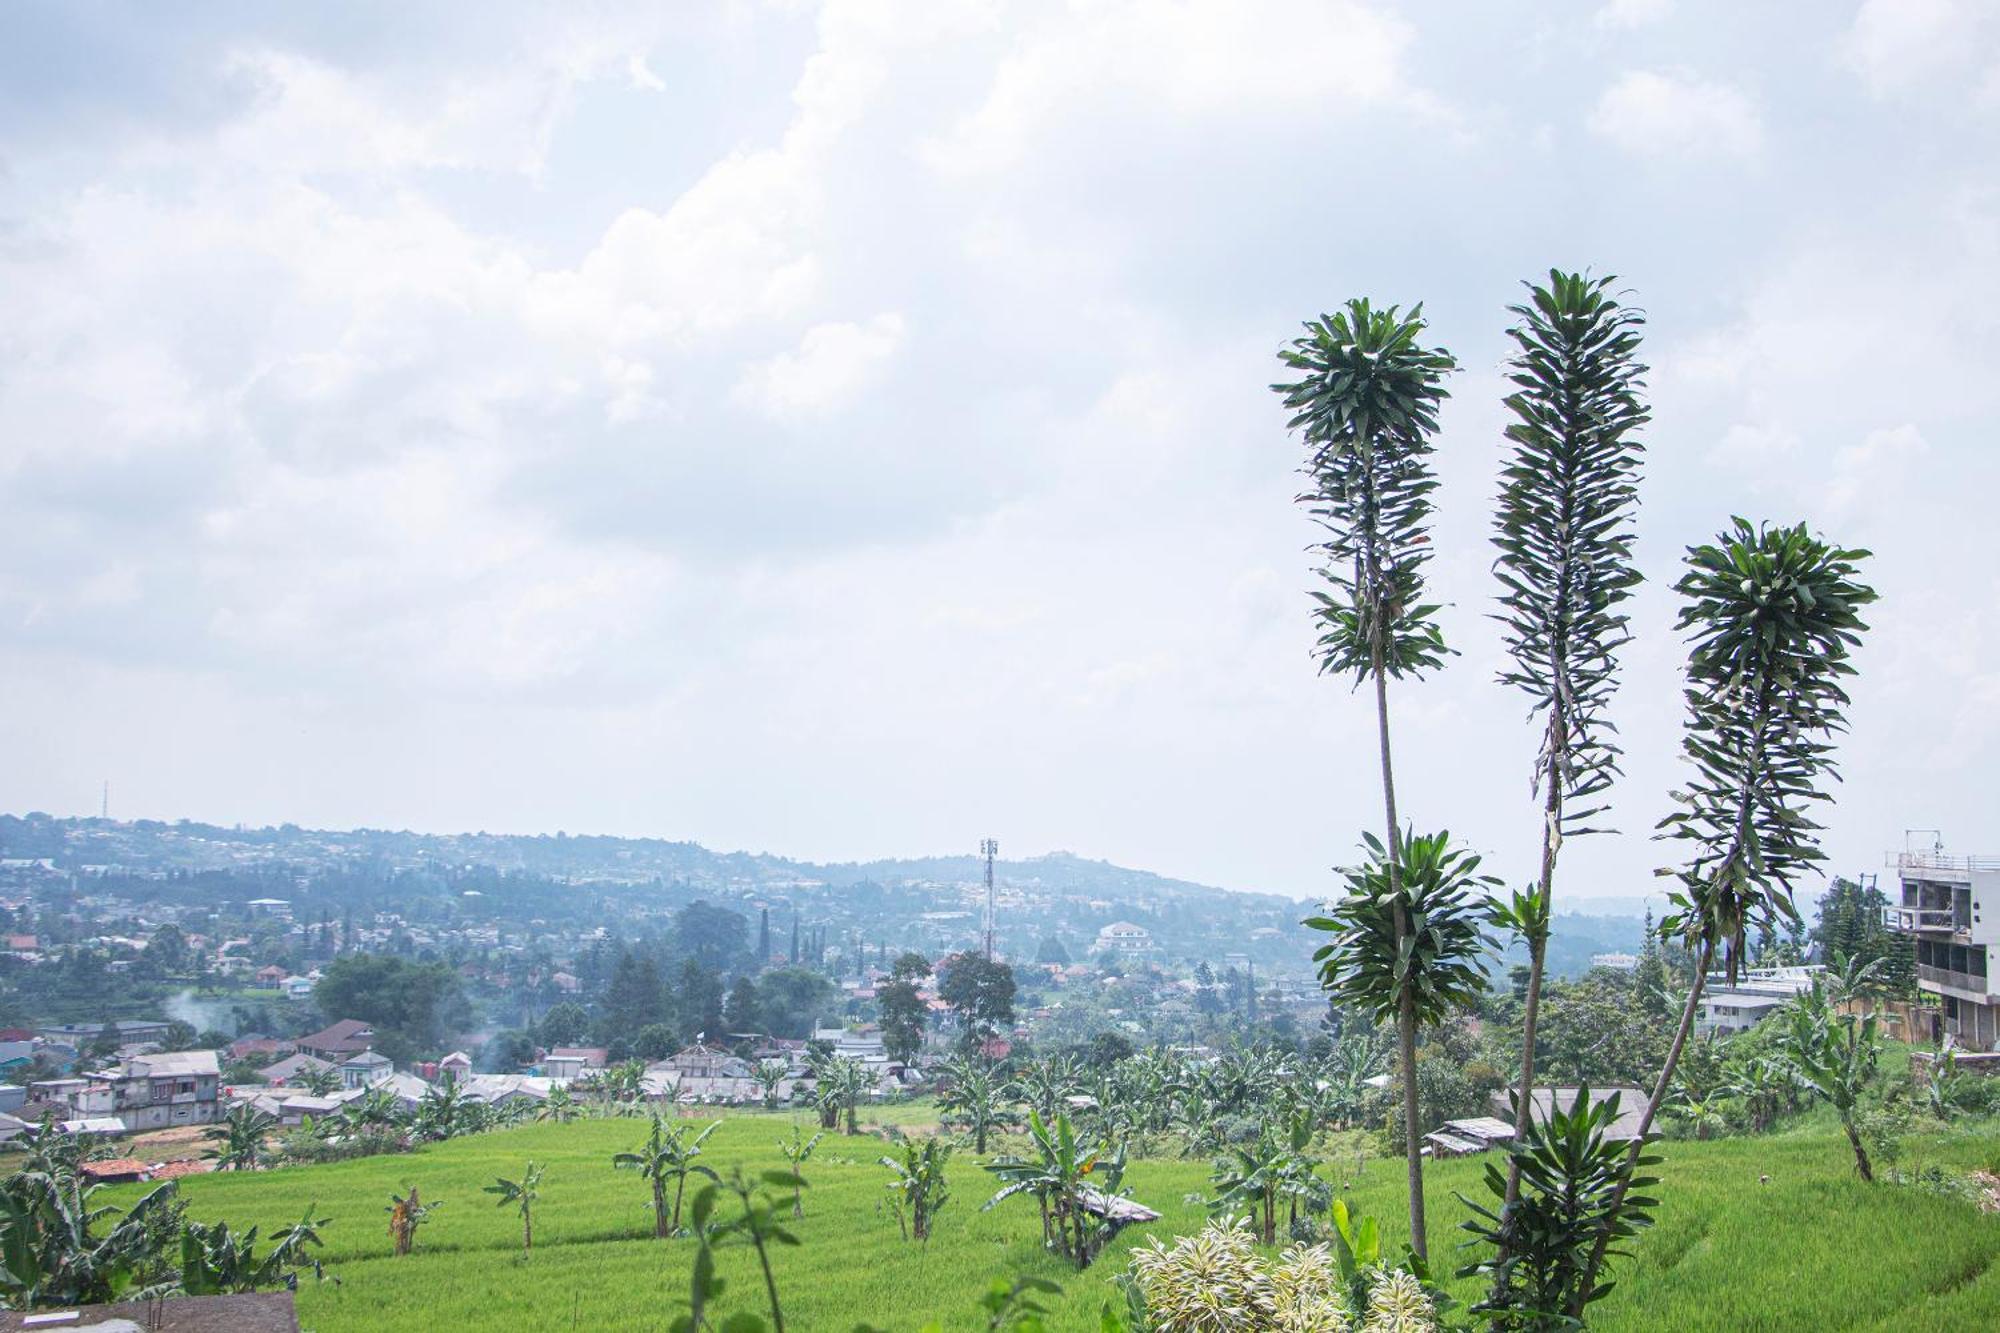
844	430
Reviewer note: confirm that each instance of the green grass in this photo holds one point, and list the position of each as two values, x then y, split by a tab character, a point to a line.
1812	1249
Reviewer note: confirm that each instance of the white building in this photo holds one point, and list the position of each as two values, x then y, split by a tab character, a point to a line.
1123	937
1617	962
1950	907
1757	994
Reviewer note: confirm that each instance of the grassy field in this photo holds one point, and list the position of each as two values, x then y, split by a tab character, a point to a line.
1811	1249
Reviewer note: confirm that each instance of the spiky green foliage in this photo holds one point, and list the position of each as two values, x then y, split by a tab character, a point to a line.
1773	615
1366	403
1569	1177
1563	525
974	1099
1366	967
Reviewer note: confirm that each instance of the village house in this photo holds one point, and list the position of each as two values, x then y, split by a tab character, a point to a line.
365	1070
147	1092
568	1062
349	1037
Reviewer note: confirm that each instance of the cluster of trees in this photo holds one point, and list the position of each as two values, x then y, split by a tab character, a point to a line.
1771	616
415	1008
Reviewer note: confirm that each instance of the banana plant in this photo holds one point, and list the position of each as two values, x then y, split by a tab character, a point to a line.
522	1194
216	1262
668	1154
1836	1057
1067	1176
918	1185
797	1151
973	1099
239	1138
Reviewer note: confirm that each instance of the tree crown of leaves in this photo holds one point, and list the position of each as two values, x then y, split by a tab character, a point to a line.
1366	404
1772	616
1367	967
1563	524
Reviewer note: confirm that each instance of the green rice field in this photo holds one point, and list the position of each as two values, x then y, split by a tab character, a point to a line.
1812	1248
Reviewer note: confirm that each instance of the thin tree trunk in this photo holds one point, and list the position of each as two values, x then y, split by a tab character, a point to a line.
1861	1162
1406	1005
659	1209
1531	1005
1653	1104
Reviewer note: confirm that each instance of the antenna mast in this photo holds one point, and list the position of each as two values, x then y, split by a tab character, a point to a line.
989	848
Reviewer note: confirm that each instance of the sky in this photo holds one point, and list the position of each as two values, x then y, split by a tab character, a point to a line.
844	430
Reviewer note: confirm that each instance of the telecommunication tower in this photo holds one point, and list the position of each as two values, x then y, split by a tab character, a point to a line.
989	848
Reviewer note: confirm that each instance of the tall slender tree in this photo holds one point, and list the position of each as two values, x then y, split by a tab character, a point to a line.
1773	617
1568	494
1366	403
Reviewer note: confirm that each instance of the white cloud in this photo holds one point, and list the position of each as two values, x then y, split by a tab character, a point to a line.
832	366
642	76
1247	61
1868	472
1632	13
1898	45
1675	115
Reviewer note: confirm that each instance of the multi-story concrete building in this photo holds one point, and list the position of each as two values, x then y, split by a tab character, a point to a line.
1950	905
146	1092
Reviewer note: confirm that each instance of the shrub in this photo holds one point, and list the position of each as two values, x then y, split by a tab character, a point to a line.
1216	1282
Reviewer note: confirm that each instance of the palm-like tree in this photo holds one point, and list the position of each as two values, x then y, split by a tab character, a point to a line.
1773	616
560	1105
373	1109
1408	938
407	1212
1064	1176
1705	1109
239	1138
522	1194
973	1099
1564	528
1367	402
51	1252
668	1154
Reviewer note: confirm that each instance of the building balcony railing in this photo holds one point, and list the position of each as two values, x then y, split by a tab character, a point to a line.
1909	919
1920	861
1944	976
